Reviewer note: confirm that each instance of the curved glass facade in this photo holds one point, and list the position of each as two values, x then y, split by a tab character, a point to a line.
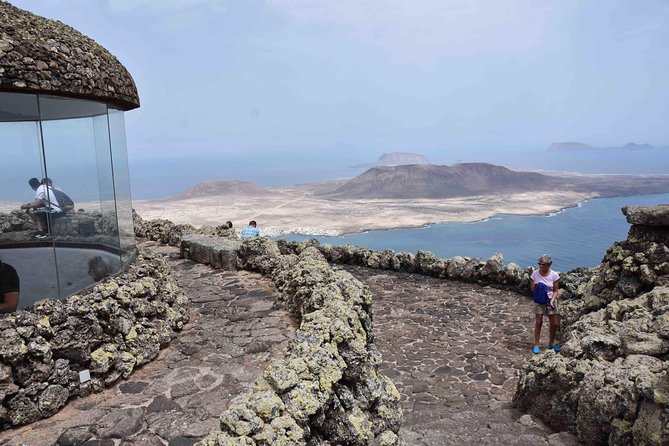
77	147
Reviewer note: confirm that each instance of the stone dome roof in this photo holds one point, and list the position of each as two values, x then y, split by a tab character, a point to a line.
39	55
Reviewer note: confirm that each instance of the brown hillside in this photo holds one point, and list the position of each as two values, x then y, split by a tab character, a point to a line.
432	181
222	188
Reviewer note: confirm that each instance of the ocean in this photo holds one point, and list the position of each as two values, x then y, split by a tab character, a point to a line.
574	237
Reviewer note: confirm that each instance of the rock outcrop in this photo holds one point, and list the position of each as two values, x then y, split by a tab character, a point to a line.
109	330
610	385
166	232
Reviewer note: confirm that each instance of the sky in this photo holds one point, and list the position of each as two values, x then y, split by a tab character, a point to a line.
356	78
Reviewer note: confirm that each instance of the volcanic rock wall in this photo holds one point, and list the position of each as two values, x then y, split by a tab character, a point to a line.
466	269
111	329
610	384
326	389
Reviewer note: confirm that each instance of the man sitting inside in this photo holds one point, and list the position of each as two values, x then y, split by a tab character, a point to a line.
9	288
250	230
44	208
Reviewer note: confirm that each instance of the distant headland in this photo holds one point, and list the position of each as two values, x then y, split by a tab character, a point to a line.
573	146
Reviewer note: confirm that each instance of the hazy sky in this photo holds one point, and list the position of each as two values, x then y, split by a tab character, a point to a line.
374	76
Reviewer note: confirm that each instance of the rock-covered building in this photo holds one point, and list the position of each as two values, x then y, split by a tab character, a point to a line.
62	104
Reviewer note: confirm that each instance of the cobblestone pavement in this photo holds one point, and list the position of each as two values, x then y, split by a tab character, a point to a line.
235	329
454	351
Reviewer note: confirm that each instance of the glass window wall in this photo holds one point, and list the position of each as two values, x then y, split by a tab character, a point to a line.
72	147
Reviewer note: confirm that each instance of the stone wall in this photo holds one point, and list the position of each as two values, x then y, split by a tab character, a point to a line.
110	329
492	271
610	384
326	389
485	272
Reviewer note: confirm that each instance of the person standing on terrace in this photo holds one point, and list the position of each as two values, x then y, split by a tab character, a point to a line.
550	280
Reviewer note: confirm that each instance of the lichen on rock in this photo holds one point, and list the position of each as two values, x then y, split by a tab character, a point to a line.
109	329
326	389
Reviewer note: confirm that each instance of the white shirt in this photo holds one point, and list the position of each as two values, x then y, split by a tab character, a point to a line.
552	277
47	196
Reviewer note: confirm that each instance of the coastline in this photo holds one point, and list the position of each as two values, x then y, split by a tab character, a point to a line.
429	224
291	211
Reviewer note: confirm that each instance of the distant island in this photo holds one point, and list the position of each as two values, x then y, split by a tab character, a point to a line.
386	197
396	159
215	188
573	146
432	181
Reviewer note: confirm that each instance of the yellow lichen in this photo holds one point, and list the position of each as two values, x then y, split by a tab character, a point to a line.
360	423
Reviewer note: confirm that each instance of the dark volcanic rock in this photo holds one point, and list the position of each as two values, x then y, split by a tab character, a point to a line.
75	436
647	215
109	329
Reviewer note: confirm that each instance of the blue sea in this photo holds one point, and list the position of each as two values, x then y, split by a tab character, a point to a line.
574	237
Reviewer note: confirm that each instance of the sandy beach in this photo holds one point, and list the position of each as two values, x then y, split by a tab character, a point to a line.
296	210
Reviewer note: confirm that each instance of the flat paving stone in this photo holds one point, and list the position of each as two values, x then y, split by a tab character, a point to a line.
454	351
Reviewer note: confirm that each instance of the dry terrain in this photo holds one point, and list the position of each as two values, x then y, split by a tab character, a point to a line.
297	210
393	197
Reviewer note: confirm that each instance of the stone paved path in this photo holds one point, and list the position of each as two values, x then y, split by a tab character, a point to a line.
454	351
235	329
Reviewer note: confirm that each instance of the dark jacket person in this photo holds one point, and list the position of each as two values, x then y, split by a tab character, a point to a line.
9	288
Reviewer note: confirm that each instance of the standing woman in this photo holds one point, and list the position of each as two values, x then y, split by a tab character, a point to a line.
546	276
